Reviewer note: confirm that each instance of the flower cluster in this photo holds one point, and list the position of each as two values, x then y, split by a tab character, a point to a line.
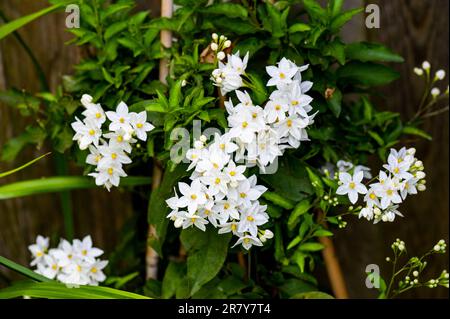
108	152
425	70
263	133
220	194
73	264
403	176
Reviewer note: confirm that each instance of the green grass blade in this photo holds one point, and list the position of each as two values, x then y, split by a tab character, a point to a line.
12	26
22	270
23	166
54	290
60	184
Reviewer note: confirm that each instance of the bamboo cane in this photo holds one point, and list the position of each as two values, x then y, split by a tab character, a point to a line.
151	258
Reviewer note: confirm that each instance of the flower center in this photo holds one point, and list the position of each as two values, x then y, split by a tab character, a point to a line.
139	125
352	185
226	206
233	227
282	75
54	267
289	123
207	212
94	270
222	146
389	192
250	218
244	124
122	120
243	195
120	138
98	158
91	132
98	115
294	103
113	156
232	173
110	171
372	196
194	197
84	252
254	115
217	181
277	107
396	170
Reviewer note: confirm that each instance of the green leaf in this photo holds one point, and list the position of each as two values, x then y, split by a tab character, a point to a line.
230	10
158	209
22	270
207	252
173	277
376	137
299	210
322	233
115	28
290	179
278	200
311	247
335	7
23	166
416	131
59	184
343	18
366	74
315	10
54	290
365	51
294	242
12	26
299	27
336	49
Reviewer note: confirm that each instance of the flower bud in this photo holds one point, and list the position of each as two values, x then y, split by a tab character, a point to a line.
215	36
440	74
221	55
418	164
415	273
418	71
421	187
214	46
420	175
183	83
227	44
203	138
435	92
426	65
268	234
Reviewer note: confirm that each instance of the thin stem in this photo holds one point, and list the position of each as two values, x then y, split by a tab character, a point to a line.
437	112
391	282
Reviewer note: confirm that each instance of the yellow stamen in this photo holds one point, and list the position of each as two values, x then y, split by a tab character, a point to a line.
233	227
250	218
216	165
91	132
84	252
372	196
110	171
396	170
120	138
232	173
194	197
294	103
277	107
98	115
222	146
113	156
289	123
389	192
254	115
217	181
39	254
122	120
243	195
93	270
282	75
226	206
139	125
352	185
244	124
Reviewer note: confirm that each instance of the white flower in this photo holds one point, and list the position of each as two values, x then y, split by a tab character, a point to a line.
252	217
440	74
193	196
95	113
351	185
95	272
120	120
228	227
84	249
195	220
248	241
234	173
398	166
112	154
120	140
224	143
39	250
281	74
140	125
275	111
86	133
94	156
388	193
409	187
108	174
371	198
367	213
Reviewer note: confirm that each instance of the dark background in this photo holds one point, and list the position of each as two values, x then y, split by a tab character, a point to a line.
416	29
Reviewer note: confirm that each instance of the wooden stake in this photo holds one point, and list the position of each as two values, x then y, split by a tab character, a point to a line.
151	258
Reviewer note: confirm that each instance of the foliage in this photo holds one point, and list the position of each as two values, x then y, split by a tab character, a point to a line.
122	53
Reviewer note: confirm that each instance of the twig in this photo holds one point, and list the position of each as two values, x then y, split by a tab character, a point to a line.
151	258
